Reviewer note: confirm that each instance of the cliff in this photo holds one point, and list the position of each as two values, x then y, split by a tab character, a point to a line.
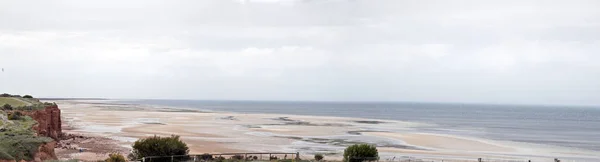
48	125
49	122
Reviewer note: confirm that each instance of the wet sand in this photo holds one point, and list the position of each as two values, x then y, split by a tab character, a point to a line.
221	132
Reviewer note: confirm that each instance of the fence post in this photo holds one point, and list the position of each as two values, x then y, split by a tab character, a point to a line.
297	155
171	158
143	159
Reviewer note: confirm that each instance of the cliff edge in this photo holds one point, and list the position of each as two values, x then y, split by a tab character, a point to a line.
49	122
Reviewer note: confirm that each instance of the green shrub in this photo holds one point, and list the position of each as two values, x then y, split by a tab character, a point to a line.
5	95
27	96
158	146
7	107
360	152
115	157
318	157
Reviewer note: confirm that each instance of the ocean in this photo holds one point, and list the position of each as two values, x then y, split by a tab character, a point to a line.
573	127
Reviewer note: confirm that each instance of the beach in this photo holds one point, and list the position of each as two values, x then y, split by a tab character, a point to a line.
228	132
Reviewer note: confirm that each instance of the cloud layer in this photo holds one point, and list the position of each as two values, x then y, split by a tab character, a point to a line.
521	52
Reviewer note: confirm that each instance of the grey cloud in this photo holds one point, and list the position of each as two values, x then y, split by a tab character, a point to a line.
524	52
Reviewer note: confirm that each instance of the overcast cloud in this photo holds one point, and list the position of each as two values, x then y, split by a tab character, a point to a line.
519	52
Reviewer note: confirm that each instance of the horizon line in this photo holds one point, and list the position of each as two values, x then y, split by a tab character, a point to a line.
326	101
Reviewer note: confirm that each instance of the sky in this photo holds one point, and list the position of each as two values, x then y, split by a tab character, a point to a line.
469	51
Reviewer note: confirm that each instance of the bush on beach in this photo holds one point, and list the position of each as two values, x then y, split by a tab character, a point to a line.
158	146
318	157
361	152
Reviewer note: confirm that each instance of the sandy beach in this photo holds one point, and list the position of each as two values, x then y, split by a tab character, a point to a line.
223	132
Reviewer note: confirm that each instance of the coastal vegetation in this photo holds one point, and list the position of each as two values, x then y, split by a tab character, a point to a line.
18	140
13	101
16	102
158	146
360	152
115	157
319	157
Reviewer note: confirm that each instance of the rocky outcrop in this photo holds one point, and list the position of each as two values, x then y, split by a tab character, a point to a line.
49	123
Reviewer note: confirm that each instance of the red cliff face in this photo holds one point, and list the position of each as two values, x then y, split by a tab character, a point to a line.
49	124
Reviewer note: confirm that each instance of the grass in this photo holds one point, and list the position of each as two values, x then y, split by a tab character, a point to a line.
26	104
18	141
14	102
30	101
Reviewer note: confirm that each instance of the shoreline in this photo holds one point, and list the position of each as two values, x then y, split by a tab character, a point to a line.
217	132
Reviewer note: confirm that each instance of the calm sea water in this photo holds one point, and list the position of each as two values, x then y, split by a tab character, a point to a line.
575	127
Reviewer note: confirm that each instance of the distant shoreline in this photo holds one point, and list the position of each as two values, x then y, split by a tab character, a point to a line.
341	102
